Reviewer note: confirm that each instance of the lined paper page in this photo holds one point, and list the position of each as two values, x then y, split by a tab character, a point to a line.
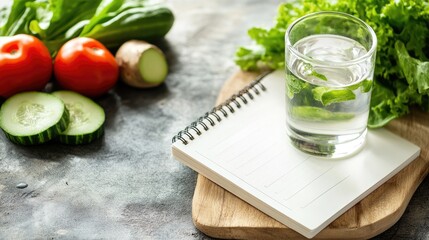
250	155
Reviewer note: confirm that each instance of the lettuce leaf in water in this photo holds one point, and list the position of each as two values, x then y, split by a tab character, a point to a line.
402	67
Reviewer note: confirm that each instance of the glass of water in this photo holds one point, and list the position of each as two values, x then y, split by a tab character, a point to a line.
330	59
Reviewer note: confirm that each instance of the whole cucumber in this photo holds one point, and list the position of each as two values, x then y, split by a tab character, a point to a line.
142	23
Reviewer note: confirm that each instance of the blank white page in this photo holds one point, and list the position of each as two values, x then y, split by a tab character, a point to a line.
249	154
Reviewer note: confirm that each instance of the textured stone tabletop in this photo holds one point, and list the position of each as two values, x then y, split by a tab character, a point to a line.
126	185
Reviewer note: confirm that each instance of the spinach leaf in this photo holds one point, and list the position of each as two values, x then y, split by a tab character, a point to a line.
55	18
57	21
17	16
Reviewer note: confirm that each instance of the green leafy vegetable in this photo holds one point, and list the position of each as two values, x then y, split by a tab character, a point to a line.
108	27
294	85
383	108
318	75
309	69
112	22
415	71
366	85
402	67
319	114
15	18
328	96
54	18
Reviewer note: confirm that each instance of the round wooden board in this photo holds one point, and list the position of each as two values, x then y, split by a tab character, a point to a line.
220	214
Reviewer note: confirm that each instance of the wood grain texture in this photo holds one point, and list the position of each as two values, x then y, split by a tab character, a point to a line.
220	214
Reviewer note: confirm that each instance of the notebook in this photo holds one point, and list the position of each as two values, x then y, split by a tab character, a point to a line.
242	146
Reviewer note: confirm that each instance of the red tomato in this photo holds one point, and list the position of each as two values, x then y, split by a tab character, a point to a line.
25	64
85	66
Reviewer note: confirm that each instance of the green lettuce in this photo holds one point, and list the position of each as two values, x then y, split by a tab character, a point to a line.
402	67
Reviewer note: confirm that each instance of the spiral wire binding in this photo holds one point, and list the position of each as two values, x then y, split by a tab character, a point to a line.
213	116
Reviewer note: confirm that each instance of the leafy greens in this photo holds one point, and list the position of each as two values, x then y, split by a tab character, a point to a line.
112	22
402	64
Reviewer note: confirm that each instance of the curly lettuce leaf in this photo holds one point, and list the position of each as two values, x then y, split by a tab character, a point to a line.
248	58
416	72
382	106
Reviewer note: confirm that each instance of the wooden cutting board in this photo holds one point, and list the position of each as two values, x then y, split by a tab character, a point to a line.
220	214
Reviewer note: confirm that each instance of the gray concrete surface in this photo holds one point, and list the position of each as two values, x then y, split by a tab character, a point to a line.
126	185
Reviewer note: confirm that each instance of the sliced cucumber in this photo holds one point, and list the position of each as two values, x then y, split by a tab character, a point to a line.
86	118
33	117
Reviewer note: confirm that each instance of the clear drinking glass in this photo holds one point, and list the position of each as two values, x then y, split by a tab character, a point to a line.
330	59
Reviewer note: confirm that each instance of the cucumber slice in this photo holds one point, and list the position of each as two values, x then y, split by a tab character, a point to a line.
86	118
33	117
